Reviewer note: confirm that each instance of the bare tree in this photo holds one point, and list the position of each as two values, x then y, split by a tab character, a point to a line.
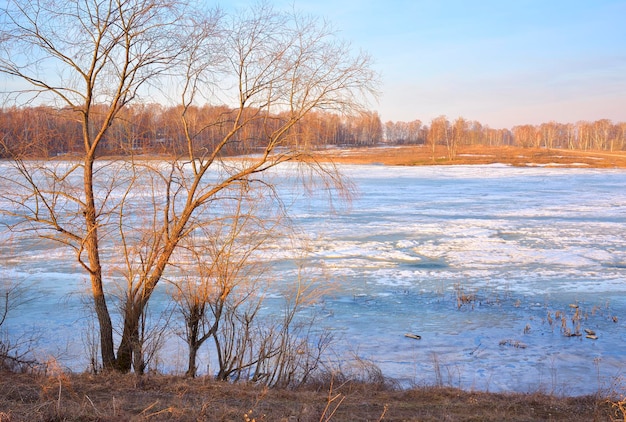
126	218
229	267
275	350
525	136
439	133
458	137
221	299
92	57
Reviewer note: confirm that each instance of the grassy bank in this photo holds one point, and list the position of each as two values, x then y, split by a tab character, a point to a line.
479	154
114	397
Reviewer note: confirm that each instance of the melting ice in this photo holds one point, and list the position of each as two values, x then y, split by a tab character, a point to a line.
477	260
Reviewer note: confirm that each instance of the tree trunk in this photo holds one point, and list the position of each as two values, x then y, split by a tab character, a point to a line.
106	328
95	269
195	318
191	366
130	336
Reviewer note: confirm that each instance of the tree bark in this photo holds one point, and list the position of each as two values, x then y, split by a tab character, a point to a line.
191	366
95	269
130	335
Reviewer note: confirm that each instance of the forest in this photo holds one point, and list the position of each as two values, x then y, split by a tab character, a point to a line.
601	134
155	129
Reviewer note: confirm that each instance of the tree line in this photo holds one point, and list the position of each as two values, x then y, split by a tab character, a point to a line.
601	134
46	131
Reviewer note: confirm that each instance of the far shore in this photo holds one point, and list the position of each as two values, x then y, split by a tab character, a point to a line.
420	155
423	155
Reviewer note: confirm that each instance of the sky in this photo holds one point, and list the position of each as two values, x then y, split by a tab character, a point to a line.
502	63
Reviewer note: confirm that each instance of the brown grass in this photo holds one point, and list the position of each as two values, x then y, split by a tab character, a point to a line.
479	154
114	397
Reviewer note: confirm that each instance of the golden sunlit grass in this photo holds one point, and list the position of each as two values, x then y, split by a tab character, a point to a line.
479	154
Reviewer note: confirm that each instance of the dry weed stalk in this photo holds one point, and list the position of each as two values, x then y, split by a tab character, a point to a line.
95	409
146	415
463	298
247	417
331	406
382	415
55	380
437	369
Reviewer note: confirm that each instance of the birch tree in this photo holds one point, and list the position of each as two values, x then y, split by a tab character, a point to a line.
458	137
439	133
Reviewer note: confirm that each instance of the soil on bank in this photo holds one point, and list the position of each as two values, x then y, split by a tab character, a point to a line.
417	155
114	397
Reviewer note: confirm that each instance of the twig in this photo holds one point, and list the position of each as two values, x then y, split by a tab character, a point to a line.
92	405
149	407
59	398
382	416
331	399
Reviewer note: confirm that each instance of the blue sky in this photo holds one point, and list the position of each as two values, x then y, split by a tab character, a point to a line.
502	63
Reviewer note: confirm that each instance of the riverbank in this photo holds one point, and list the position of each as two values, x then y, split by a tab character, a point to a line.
109	397
416	155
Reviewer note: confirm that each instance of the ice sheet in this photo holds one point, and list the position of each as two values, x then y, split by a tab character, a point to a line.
519	243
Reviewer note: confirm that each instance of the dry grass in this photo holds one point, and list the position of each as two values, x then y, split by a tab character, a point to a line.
479	154
114	397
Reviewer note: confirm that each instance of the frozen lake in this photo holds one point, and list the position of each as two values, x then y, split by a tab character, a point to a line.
490	265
